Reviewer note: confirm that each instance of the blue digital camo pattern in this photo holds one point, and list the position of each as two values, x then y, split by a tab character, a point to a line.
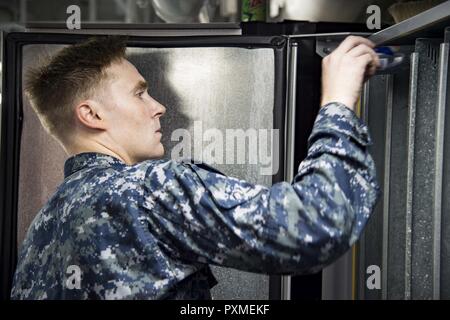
149	231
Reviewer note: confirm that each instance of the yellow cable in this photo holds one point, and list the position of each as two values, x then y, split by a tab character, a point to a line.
358	113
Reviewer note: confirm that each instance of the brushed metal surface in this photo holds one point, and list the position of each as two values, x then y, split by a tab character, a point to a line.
221	88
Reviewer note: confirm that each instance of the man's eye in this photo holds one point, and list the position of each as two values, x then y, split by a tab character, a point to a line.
141	93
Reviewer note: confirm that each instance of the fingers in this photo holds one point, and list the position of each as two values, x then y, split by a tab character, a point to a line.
360	50
363	49
356	47
366	62
352	41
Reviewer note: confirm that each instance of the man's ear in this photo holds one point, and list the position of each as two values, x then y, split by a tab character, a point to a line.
89	113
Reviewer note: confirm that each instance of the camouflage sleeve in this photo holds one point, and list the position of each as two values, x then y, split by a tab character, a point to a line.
202	216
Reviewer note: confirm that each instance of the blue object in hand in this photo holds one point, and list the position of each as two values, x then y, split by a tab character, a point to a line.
389	58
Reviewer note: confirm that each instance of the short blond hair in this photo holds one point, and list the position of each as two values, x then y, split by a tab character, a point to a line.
76	72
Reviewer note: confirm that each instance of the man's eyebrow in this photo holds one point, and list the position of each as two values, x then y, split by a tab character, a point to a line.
141	85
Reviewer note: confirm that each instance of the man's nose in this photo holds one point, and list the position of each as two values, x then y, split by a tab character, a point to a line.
161	110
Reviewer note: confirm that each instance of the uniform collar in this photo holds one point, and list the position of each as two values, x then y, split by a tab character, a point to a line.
89	159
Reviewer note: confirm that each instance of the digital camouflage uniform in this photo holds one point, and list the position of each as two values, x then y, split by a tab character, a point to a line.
150	230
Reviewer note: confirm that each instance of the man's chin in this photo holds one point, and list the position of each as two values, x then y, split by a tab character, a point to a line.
158	152
162	150
154	154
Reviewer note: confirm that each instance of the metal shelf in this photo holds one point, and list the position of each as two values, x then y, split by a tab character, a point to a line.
430	23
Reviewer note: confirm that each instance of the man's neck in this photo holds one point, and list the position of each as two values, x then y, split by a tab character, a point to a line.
99	148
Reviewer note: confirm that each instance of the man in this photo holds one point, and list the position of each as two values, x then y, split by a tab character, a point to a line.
125	225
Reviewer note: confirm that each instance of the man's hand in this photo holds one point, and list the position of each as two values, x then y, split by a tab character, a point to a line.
345	70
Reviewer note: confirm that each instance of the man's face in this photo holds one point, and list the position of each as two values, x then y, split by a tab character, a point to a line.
133	115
